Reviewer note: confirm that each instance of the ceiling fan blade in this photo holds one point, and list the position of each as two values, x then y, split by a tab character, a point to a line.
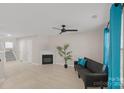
71	30
56	28
60	32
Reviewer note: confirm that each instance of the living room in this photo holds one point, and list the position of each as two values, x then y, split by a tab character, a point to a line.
30	31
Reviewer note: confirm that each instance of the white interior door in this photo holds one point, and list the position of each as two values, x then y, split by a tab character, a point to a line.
25	47
29	50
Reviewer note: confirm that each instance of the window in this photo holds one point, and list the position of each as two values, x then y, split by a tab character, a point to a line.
8	44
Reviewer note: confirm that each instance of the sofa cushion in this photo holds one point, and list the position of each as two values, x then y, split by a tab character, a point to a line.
79	67
94	66
83	72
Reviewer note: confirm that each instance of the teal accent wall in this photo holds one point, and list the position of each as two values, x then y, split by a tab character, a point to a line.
115	42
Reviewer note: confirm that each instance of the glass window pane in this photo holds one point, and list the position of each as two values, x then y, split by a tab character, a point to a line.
8	44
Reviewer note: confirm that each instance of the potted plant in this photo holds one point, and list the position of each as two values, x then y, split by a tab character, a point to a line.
65	53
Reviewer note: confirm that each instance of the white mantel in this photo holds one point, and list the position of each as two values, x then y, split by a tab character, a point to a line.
46	52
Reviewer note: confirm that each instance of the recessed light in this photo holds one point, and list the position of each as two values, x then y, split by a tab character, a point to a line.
94	16
9	35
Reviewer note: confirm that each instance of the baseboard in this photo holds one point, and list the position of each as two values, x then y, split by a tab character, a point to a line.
63	64
38	63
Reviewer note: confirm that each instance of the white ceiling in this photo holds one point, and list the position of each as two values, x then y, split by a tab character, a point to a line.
31	19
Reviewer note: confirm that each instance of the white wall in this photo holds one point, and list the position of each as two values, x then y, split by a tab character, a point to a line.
39	43
88	44
1	45
2	60
1	71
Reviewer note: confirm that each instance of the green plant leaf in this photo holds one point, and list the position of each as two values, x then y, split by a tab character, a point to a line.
66	46
69	56
60	54
69	59
59	48
68	53
62	51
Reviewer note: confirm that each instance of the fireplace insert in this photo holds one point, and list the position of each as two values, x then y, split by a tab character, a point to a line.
47	59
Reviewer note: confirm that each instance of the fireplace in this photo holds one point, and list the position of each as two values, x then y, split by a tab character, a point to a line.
47	59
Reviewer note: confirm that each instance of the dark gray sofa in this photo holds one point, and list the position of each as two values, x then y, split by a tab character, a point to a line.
92	74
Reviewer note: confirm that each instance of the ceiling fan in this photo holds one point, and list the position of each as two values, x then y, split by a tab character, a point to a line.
65	30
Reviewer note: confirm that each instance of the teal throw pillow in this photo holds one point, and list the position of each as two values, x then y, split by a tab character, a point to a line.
81	61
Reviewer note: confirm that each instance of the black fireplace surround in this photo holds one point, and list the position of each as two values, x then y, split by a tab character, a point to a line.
47	59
